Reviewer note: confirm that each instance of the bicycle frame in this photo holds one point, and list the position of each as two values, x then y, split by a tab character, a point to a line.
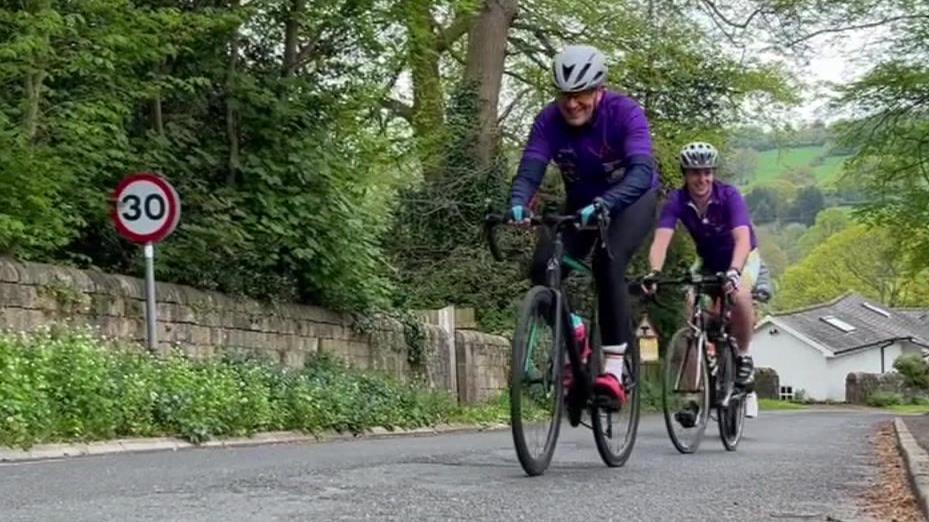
707	326
563	327
553	280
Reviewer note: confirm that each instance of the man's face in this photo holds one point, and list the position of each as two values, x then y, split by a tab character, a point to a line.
578	107
699	181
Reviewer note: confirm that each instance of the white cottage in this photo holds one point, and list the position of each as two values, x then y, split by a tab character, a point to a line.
814	349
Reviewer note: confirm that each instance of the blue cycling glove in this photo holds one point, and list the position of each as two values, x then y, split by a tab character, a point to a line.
590	214
518	214
587	214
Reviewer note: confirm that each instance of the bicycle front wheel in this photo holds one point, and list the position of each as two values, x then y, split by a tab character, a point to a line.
731	417
685	390
615	430
536	389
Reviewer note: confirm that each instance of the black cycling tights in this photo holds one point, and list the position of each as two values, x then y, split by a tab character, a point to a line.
627	231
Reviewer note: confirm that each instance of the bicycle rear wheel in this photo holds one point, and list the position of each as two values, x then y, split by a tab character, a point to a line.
536	388
731	418
685	390
615	431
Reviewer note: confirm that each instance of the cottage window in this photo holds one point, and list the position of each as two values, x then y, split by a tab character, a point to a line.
835	322
876	310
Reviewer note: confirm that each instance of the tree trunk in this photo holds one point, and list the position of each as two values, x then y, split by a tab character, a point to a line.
653	32
32	84
291	36
33	91
428	93
232	114
157	118
487	42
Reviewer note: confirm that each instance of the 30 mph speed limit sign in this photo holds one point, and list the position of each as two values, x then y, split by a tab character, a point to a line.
146	208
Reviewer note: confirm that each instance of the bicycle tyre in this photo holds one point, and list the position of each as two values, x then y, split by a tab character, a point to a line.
731	418
669	377
616	457
532	309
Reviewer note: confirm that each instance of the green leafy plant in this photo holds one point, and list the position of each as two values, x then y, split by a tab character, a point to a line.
914	369
72	385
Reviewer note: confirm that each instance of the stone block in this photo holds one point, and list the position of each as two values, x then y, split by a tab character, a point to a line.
180	313
309	345
23	320
234	337
200	334
135	308
21	296
282	325
107	305
293	358
170	293
130	286
219	336
337	347
9	270
211	317
329	331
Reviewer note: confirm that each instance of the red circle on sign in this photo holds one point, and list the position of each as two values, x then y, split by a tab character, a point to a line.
173	209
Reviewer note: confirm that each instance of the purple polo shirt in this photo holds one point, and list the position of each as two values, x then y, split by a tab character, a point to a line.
592	158
712	233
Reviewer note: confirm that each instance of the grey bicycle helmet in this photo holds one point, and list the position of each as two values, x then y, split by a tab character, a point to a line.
578	68
699	155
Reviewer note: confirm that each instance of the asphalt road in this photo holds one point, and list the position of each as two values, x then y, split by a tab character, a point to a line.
789	467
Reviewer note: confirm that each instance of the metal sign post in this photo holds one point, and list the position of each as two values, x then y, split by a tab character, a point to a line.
151	334
146	210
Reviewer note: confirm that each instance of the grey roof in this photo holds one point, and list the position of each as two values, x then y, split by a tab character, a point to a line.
918	319
871	327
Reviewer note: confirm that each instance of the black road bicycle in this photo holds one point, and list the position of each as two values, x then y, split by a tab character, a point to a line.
542	340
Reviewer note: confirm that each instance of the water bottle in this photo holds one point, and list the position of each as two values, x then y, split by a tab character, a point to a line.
580	335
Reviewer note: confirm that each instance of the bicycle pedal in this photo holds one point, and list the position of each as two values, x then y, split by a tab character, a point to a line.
608	404
574	416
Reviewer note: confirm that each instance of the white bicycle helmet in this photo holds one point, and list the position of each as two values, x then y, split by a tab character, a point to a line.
578	68
699	155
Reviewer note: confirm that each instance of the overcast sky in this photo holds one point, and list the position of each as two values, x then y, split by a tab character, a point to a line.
837	61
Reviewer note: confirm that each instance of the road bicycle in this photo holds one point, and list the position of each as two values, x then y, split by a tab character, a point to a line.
699	367
543	338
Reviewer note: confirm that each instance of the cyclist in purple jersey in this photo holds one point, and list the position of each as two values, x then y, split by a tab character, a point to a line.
601	143
717	218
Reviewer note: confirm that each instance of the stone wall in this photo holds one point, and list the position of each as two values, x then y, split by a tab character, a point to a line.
858	386
483	365
767	383
205	323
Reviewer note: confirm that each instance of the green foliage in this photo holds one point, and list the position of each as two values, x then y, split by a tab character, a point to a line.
59	385
437	242
829	222
764	205
739	166
861	259
819	165
884	399
650	395
807	205
914	369
492	411
285	194
889	131
778	405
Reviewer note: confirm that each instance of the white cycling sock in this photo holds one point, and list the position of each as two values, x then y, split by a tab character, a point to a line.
613	354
